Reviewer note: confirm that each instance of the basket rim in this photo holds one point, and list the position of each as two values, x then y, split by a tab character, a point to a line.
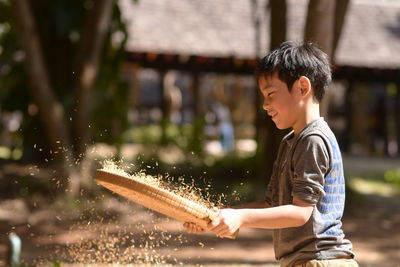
154	198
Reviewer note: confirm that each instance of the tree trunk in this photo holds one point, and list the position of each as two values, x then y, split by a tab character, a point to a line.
257	49
320	24
278	23
93	36
340	14
272	136
51	111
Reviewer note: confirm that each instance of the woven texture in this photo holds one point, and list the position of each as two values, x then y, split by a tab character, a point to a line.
155	198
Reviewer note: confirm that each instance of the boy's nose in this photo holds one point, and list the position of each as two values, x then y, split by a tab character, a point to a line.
266	103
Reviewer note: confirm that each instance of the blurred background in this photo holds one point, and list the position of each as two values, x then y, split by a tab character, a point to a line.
168	87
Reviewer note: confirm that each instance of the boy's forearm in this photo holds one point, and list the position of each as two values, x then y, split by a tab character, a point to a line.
275	217
253	205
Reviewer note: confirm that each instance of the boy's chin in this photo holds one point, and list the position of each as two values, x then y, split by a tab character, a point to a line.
281	127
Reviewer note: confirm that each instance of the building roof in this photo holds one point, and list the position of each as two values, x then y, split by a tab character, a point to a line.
225	28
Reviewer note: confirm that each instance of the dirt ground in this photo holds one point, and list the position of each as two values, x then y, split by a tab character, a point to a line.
106	230
122	232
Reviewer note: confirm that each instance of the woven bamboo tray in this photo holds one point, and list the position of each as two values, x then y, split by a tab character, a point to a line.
156	199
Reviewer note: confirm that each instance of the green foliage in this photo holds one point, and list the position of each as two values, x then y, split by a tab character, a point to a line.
235	173
13	95
231	175
60	26
145	135
195	143
184	137
26	186
393	176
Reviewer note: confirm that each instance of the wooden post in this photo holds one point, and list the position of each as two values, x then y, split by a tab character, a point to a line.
196	140
397	117
164	109
348	115
134	91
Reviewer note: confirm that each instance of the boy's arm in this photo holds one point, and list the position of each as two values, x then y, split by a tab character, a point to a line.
230	220
294	215
253	205
195	229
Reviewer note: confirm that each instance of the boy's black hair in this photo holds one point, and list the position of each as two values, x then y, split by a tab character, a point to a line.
293	60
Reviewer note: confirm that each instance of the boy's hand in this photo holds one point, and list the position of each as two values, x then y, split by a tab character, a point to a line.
193	228
227	223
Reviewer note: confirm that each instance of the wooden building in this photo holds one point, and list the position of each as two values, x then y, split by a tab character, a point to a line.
220	37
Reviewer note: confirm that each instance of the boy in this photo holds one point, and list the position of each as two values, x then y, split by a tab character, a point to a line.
305	197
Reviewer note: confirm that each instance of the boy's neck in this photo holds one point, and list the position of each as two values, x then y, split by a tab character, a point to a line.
309	114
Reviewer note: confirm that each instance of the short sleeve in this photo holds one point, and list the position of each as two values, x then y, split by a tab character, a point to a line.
310	165
268	192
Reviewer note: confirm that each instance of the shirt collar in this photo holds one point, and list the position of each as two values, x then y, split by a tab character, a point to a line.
292	138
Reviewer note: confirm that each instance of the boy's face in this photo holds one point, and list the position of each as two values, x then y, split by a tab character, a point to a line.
280	103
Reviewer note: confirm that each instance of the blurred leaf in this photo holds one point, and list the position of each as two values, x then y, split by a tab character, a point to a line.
392	176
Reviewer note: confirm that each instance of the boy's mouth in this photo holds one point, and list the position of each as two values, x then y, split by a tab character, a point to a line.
272	114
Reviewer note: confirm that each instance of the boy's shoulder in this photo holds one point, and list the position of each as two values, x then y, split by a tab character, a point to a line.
318	125
320	134
317	134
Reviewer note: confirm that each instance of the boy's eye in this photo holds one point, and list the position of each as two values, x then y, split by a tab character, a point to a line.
270	94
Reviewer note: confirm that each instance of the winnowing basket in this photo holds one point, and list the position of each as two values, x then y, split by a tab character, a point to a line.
156	198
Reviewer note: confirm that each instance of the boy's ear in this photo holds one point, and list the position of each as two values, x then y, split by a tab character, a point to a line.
304	85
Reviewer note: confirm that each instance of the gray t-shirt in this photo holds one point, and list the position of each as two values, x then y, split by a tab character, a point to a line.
309	167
